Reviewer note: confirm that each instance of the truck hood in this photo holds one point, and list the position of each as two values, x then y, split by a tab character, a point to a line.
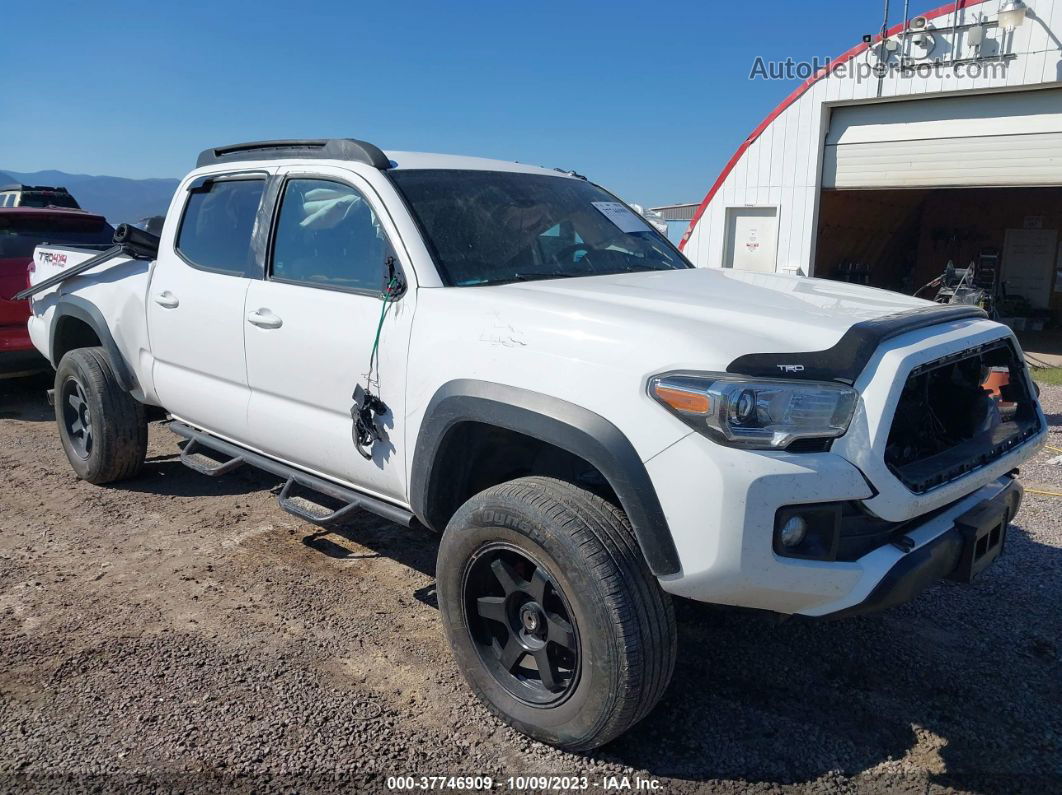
738	311
594	341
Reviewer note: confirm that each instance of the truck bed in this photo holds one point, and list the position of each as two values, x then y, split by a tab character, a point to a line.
116	289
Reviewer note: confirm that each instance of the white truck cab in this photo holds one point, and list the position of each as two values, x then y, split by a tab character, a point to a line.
511	356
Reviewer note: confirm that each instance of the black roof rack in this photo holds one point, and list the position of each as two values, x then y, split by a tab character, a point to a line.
19	186
319	149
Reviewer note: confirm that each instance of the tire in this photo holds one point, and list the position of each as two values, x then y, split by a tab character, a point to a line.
573	567
102	427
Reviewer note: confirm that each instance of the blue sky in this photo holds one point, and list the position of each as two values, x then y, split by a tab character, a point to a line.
648	99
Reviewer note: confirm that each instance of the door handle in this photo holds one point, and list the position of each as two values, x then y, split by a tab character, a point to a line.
263	318
167	300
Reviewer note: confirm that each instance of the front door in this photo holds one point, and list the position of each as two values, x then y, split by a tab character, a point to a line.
310	326
195	305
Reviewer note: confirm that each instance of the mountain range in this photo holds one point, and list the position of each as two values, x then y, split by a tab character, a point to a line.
120	199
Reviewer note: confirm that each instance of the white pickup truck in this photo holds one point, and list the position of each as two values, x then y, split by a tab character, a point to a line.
511	356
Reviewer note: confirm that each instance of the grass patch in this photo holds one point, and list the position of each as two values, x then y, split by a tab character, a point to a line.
1048	376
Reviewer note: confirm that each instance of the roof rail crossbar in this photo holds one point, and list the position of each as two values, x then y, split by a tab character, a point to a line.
318	149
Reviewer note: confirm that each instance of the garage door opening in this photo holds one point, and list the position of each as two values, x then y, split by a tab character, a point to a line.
915	191
903	240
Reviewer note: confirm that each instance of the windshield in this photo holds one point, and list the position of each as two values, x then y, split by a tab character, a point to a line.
493	227
20	235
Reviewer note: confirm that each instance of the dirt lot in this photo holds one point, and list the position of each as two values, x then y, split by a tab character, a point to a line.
182	632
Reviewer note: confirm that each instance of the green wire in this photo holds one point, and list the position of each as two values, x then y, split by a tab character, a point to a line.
388	300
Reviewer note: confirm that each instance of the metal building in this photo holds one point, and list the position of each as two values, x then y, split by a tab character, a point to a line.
677	217
941	142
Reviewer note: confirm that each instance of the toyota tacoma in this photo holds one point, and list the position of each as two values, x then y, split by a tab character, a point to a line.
511	356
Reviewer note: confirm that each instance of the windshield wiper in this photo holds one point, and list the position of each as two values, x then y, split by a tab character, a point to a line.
530	276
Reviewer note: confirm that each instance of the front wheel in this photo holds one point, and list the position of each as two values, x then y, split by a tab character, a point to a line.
102	427
552	614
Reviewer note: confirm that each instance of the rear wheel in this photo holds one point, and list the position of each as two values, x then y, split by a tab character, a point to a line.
553	616
102	427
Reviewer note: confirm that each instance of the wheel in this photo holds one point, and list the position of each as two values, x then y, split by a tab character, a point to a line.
552	614
102	427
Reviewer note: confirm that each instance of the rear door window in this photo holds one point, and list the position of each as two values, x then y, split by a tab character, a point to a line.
218	223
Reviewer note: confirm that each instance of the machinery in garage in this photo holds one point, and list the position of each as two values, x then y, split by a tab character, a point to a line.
1003	242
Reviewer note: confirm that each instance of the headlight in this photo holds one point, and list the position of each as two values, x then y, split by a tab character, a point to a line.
760	413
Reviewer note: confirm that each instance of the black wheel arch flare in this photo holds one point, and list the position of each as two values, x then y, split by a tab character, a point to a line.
76	307
553	421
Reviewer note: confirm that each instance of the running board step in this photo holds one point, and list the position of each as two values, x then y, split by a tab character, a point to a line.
311	511
194	456
350	500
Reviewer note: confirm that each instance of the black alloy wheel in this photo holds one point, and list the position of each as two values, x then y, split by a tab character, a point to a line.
102	427
521	625
77	417
554	618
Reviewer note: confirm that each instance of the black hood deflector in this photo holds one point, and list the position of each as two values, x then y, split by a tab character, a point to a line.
849	356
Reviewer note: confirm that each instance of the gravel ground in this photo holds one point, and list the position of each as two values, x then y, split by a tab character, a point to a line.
179	632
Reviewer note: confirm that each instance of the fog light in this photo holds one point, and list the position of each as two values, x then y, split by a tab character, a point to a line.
793	531
808	531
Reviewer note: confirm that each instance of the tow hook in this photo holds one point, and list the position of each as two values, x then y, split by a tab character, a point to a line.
51	397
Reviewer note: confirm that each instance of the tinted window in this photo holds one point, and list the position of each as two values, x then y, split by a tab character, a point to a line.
217	225
490	227
328	236
20	235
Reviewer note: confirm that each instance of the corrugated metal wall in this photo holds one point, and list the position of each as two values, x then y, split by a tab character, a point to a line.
676	212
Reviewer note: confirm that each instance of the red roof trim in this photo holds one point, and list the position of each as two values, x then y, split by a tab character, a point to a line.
860	48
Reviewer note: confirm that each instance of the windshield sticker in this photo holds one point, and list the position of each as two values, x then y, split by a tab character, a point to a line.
622	216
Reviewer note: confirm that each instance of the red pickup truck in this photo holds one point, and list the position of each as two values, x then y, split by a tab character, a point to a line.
21	230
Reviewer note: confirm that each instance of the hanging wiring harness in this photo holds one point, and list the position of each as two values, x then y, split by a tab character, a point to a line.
368	407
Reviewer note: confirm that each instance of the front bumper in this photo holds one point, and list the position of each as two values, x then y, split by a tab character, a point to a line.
971	544
721	504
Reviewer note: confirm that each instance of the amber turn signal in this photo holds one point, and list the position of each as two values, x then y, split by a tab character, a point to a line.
683	400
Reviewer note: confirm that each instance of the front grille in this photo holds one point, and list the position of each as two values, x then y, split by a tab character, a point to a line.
948	424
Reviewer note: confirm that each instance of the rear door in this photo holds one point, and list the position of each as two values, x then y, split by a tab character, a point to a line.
195	302
310	326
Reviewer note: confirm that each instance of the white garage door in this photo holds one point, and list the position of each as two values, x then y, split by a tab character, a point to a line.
985	140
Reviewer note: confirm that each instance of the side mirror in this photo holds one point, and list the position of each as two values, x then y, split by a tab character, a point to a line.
394	280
